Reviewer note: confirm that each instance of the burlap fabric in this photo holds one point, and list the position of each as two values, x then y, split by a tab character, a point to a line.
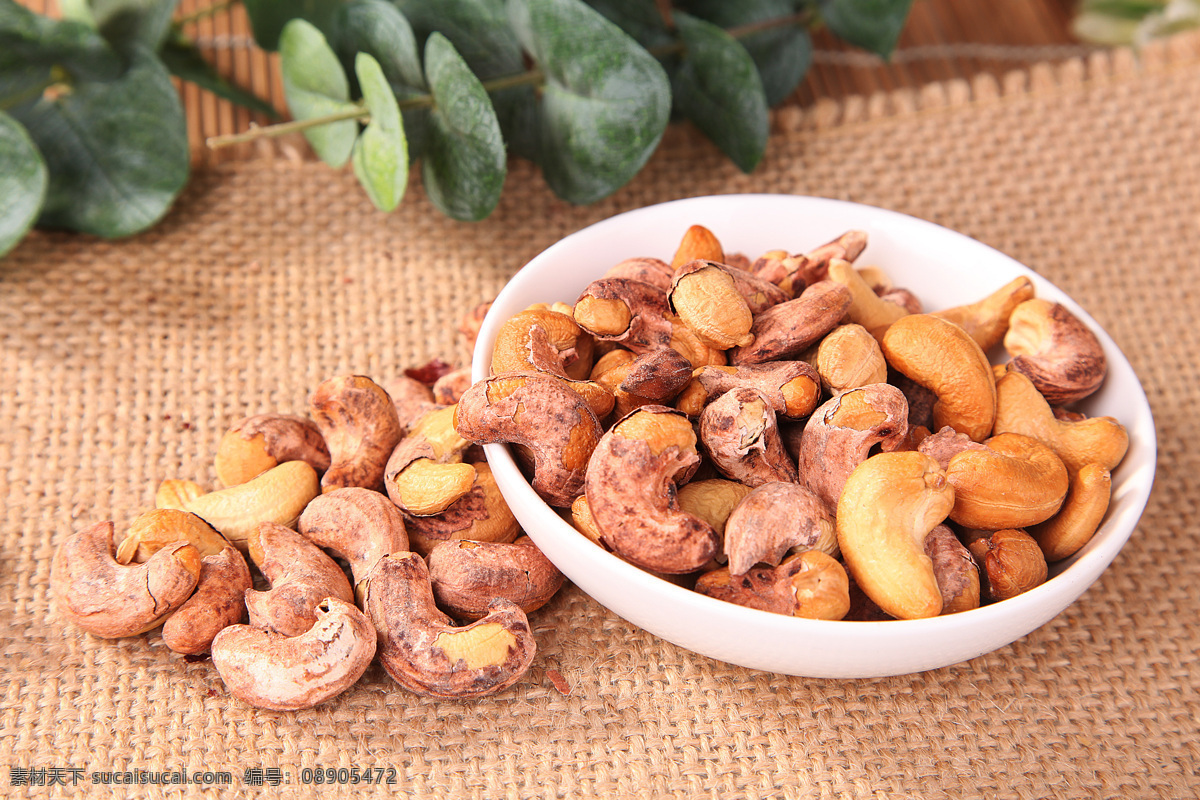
124	362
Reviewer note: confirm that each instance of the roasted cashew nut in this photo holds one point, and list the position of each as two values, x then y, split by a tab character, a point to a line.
260	442
482	514
791	388
1060	354
774	519
361	428
425	472
987	320
219	601
865	308
741	435
849	358
1012	482
467	576
631	493
810	584
159	527
943	358
653	271
356	524
283	673
278	495
785	330
553	424
112	600
888	507
301	576
628	312
543	341
841	433
424	652
698	242
705	298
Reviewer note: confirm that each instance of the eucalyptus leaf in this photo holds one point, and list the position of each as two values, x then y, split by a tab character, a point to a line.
478	29
717	87
464	169
36	51
783	53
380	156
873	25
639	18
22	182
377	27
605	102
316	87
183	60
116	151
129	22
268	17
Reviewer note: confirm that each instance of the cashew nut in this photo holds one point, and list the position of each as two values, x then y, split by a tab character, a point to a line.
357	525
629	312
741	436
543	341
698	242
283	673
630	490
889	505
258	443
278	495
654	271
482	514
791	388
423	651
157	528
1060	354
809	584
943	358
468	575
655	377
774	519
955	569
425	473
783	331
987	320
1010	561
448	388
848	358
1012	482
412	399
361	427
175	493
704	296
865	307
301	576
112	600
842	432
1081	513
217	603
712	500
552	423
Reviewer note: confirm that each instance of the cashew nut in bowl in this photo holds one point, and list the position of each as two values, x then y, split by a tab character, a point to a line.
631	492
1010	562
1053	347
954	568
849	358
113	600
218	602
653	271
1012	482
288	673
537	412
987	320
791	388
741	436
943	358
424	652
301	576
628	312
361	428
698	242
889	505
258	443
705	298
785	330
543	341
356	524
773	519
809	584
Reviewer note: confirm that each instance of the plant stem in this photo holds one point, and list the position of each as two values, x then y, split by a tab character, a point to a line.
207	11
282	129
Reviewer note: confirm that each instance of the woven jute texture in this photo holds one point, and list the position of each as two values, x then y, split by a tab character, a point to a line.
124	362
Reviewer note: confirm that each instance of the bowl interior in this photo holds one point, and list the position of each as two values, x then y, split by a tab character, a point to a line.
943	268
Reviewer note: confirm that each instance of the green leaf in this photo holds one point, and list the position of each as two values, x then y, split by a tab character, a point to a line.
22	182
116	151
478	29
377	27
783	54
465	167
717	87
129	22
605	103
36	51
316	87
873	25
184	61
268	17
381	153
638	18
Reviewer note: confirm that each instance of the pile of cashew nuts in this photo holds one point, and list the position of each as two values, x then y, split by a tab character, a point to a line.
368	530
794	434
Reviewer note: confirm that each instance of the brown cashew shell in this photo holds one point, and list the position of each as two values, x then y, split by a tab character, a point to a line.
1053	347
111	600
283	673
791	388
467	576
423	651
258	443
954	568
537	412
741	435
810	584
630	486
943	358
301	576
654	271
628	312
356	524
784	331
361	427
774	519
545	341
1010	562
219	601
1013	482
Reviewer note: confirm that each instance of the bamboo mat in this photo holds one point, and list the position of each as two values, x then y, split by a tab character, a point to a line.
124	362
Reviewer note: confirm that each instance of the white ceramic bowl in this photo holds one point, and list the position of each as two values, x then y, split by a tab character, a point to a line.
944	269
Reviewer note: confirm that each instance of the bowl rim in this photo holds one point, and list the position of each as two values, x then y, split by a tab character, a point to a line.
1073	575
